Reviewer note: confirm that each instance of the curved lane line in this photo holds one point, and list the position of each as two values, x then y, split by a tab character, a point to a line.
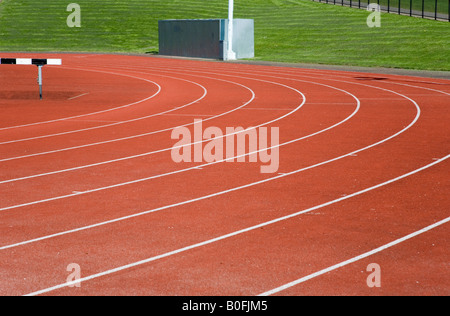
358	106
154	132
240	232
225	191
93	113
355	259
135	136
271	222
205	92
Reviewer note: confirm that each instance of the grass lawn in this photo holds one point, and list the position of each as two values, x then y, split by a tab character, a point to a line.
285	30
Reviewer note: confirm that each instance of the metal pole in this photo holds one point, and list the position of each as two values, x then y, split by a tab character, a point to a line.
230	54
423	9
435	9
40	81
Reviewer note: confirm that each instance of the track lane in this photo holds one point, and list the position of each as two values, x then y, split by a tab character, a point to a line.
59	110
130	189
160	285
124	123
109	122
254	264
146	141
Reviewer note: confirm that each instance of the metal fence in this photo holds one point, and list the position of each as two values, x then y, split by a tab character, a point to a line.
430	9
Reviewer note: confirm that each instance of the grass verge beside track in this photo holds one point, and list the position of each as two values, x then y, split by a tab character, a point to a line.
295	31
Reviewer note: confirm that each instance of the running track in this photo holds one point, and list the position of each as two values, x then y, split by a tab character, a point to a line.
86	177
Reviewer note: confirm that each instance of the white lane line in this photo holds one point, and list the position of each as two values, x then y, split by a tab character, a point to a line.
74	120
280	175
131	157
205	91
351	154
354	259
270	109
348	75
381	141
78	96
408	85
236	233
93	113
346	197
145	134
229	190
168	129
305	72
189	115
357	108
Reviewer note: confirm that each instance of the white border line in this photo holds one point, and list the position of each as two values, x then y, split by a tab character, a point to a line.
210	241
153	132
93	113
159	131
72	98
355	259
418	170
149	153
358	106
225	191
282	175
205	91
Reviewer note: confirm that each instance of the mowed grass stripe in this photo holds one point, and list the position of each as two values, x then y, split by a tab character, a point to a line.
285	30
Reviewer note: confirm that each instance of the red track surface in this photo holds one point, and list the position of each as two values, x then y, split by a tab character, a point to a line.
86	177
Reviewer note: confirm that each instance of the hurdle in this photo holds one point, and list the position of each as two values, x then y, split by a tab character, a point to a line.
32	61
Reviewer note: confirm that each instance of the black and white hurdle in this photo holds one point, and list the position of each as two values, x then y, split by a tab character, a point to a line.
32	61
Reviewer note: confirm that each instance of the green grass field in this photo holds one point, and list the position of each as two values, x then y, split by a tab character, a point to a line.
285	30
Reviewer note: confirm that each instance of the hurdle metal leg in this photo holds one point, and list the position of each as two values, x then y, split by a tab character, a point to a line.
40	80
32	61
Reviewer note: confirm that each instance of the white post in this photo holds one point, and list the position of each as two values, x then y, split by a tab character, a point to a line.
231	55
40	81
